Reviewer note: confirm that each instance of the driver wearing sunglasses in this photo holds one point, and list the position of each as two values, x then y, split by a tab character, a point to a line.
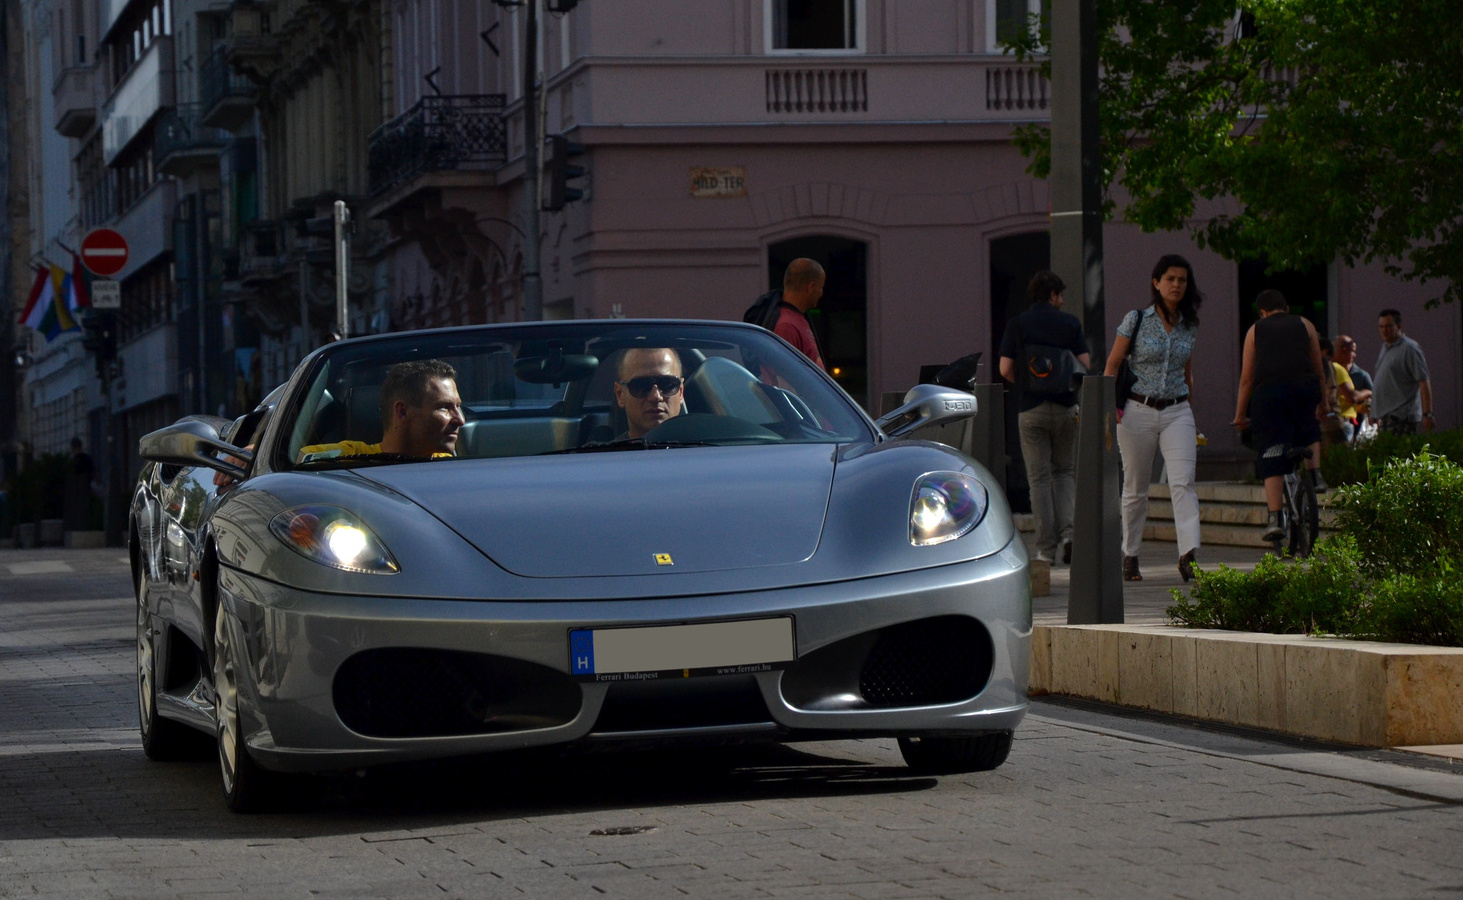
649	388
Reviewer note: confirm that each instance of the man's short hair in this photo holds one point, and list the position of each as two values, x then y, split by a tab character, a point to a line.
622	364
801	273
1270	300
408	381
1345	341
1395	314
1043	284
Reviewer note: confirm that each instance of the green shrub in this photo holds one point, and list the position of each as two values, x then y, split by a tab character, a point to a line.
1319	594
1353	463
1418	610
1406	518
1393	571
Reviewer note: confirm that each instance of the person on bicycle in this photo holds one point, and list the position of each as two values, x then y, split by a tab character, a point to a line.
1280	399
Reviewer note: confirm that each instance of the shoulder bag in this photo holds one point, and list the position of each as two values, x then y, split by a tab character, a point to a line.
1126	377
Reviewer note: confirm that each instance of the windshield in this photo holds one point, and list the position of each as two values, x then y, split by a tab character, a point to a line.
560	388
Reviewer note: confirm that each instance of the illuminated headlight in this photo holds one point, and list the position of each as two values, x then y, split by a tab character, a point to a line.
945	505
333	537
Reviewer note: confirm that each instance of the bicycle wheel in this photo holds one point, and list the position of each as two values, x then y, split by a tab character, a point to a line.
1305	516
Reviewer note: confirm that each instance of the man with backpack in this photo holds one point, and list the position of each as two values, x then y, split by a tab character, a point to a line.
784	312
1042	353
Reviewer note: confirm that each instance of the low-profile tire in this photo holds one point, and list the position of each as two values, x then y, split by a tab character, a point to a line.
162	739
247	787
953	755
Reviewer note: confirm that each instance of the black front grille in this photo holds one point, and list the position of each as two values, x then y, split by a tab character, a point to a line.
417	692
682	703
931	661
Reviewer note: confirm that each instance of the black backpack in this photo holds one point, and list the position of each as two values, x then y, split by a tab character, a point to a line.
766	311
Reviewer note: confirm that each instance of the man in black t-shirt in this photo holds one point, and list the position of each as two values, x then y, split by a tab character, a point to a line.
1031	353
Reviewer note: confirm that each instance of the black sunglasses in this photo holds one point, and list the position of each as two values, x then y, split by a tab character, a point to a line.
639	388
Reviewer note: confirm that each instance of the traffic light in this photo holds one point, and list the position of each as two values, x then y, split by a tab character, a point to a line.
99	335
559	150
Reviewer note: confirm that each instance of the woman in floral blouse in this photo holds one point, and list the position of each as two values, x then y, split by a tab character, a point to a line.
1157	416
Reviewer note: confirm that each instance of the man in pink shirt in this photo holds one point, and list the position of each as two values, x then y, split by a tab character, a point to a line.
802	288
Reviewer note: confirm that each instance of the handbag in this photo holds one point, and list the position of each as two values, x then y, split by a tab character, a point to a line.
1126	377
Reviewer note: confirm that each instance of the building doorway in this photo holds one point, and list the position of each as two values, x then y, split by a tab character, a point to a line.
1014	260
1306	290
840	320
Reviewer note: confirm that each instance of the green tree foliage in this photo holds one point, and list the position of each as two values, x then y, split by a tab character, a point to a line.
1332	129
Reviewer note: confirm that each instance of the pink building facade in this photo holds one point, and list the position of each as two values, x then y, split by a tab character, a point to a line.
725	137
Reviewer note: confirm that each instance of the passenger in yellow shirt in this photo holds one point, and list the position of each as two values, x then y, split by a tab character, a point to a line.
1347	397
421	413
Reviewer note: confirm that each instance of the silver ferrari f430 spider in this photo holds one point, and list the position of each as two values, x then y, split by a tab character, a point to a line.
445	543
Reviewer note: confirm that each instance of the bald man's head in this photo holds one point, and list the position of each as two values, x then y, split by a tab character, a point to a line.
802	283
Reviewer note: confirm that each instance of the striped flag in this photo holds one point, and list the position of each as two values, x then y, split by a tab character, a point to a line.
38	289
78	298
46	310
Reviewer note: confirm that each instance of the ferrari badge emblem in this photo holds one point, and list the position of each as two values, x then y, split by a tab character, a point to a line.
664	559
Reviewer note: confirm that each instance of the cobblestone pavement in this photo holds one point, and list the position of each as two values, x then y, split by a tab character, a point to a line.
1090	804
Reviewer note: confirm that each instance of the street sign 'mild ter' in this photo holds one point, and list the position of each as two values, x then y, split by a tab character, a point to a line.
104	252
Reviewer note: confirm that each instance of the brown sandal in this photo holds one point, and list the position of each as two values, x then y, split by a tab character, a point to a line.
1130	569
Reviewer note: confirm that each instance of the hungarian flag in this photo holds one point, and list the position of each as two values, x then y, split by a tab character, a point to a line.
46	310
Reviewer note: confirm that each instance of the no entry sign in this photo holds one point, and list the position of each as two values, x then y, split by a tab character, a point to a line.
104	252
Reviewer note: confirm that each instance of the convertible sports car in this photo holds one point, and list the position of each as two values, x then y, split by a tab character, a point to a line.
765	563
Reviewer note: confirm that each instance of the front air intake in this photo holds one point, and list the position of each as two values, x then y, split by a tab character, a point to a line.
407	692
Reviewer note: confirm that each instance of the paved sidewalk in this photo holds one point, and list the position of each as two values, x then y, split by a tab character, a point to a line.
1144	601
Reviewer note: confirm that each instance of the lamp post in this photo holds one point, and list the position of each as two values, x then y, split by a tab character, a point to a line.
533	286
1076	231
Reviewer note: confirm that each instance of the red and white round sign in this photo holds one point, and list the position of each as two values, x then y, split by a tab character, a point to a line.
104	251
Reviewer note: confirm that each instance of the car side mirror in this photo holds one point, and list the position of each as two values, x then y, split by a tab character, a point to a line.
194	441
926	405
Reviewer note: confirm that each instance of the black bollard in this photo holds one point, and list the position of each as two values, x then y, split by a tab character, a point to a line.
1096	596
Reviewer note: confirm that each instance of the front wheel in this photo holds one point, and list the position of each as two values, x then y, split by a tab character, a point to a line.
952	755
247	787
161	738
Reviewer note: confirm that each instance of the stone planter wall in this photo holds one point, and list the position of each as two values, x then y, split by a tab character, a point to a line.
1355	692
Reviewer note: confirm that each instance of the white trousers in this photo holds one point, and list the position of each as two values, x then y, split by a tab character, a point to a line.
1143	432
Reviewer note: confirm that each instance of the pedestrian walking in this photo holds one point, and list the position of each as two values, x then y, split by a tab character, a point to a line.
1403	397
1038	353
785	312
1157	416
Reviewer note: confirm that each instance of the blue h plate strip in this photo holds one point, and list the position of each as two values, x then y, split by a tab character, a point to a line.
581	652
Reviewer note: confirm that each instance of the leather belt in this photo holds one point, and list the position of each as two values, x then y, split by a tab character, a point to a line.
1156	402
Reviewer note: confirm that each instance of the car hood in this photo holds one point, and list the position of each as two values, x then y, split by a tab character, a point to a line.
635	512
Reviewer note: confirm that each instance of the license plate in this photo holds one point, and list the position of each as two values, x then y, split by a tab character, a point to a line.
681	651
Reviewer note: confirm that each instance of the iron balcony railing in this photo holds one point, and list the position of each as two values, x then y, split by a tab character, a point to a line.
222	84
180	130
438	134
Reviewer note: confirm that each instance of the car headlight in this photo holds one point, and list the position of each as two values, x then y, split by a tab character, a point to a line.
331	536
945	505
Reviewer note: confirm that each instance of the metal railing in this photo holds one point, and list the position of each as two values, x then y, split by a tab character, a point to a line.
817	90
220	82
438	134
180	129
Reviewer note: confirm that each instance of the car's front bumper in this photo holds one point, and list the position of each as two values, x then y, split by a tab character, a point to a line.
296	643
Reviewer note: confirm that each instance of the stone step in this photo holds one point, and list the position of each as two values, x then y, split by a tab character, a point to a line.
1231	514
